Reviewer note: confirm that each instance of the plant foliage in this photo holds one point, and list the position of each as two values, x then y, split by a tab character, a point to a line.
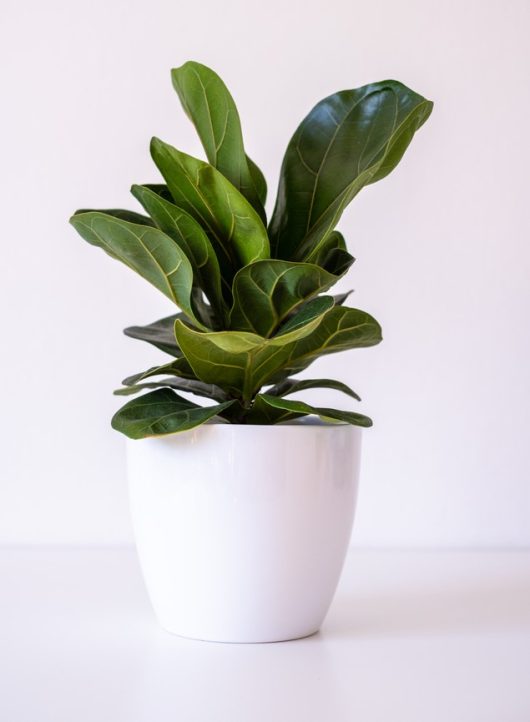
254	308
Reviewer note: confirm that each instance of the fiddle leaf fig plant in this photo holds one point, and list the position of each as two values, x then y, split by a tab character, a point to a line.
253	299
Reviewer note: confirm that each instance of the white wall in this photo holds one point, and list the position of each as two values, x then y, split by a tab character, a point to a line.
442	246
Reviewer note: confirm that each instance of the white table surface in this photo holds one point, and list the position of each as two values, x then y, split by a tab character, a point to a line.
411	636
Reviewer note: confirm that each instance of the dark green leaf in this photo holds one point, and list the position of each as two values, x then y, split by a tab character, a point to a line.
192	386
191	238
179	368
203	192
146	250
267	292
124	215
310	310
162	412
324	413
212	110
292	386
348	140
160	333
259	181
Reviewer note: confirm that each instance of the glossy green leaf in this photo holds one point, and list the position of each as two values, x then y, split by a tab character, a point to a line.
203	192
192	386
348	140
237	361
310	310
324	413
191	238
162	412
146	250
266	292
292	386
241	362
259	181
212	110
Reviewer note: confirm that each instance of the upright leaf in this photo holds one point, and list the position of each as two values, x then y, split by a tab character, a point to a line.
348	140
212	110
146	250
266	292
162	412
203	192
191	238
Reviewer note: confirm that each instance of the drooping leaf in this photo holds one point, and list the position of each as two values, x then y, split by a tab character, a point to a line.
266	292
160	333
202	191
263	413
192	386
162	412
178	367
324	413
310	310
146	250
292	386
212	110
348	140
237	361
191	238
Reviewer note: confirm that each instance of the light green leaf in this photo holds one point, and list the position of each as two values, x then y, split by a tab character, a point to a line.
267	292
162	412
348	140
202	191
212	110
146	250
191	238
292	386
241	362
237	361
324	413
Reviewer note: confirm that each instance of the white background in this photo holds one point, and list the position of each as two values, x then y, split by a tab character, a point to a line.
443	247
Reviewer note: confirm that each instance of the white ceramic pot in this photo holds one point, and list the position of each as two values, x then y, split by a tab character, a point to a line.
242	530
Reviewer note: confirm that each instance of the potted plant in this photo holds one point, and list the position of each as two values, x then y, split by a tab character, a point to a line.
242	523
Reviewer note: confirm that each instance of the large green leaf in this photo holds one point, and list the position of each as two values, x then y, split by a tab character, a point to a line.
203	192
146	250
266	292
242	362
162	412
324	413
192	386
348	140
191	238
123	214
237	361
292	386
212	110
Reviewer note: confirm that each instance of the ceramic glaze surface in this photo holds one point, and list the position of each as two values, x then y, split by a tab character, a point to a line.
242	531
